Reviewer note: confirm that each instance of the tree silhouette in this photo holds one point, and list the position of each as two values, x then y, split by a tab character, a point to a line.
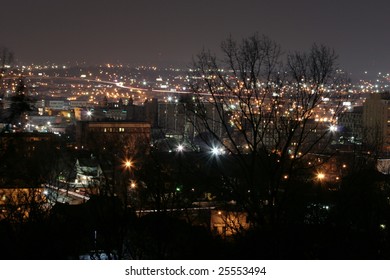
262	114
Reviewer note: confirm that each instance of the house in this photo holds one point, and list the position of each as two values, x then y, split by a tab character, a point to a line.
88	172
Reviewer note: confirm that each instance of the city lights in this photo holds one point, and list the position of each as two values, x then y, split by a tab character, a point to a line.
216	151
320	176
128	164
333	128
244	145
180	148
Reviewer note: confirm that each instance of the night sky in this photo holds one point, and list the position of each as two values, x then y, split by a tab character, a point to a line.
170	32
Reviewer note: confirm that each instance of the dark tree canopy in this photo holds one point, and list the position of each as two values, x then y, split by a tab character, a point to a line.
261	108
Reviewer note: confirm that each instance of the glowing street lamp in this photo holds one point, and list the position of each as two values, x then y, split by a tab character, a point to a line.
180	148
215	151
320	176
333	128
128	164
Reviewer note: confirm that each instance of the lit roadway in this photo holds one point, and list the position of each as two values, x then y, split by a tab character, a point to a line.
64	195
117	84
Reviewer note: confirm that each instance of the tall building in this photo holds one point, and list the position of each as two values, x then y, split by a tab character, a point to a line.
376	121
176	120
351	125
172	119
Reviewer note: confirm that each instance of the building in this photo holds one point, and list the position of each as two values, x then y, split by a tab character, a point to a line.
88	173
172	119
121	136
180	121
78	104
351	125
376	121
58	104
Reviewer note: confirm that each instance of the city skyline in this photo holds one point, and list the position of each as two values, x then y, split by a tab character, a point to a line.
114	146
172	32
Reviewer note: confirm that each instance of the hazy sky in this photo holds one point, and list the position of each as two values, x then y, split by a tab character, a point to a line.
172	31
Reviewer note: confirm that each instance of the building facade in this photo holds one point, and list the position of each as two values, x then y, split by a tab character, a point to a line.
127	136
376	121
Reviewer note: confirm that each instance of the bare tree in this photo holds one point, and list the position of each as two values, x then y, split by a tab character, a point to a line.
265	116
19	205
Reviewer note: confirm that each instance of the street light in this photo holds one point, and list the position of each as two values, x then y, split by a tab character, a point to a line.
333	128
180	148
215	151
320	176
128	164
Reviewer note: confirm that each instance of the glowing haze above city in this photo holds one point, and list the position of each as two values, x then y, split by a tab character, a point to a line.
171	32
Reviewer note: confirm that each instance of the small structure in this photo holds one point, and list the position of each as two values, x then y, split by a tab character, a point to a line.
88	172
